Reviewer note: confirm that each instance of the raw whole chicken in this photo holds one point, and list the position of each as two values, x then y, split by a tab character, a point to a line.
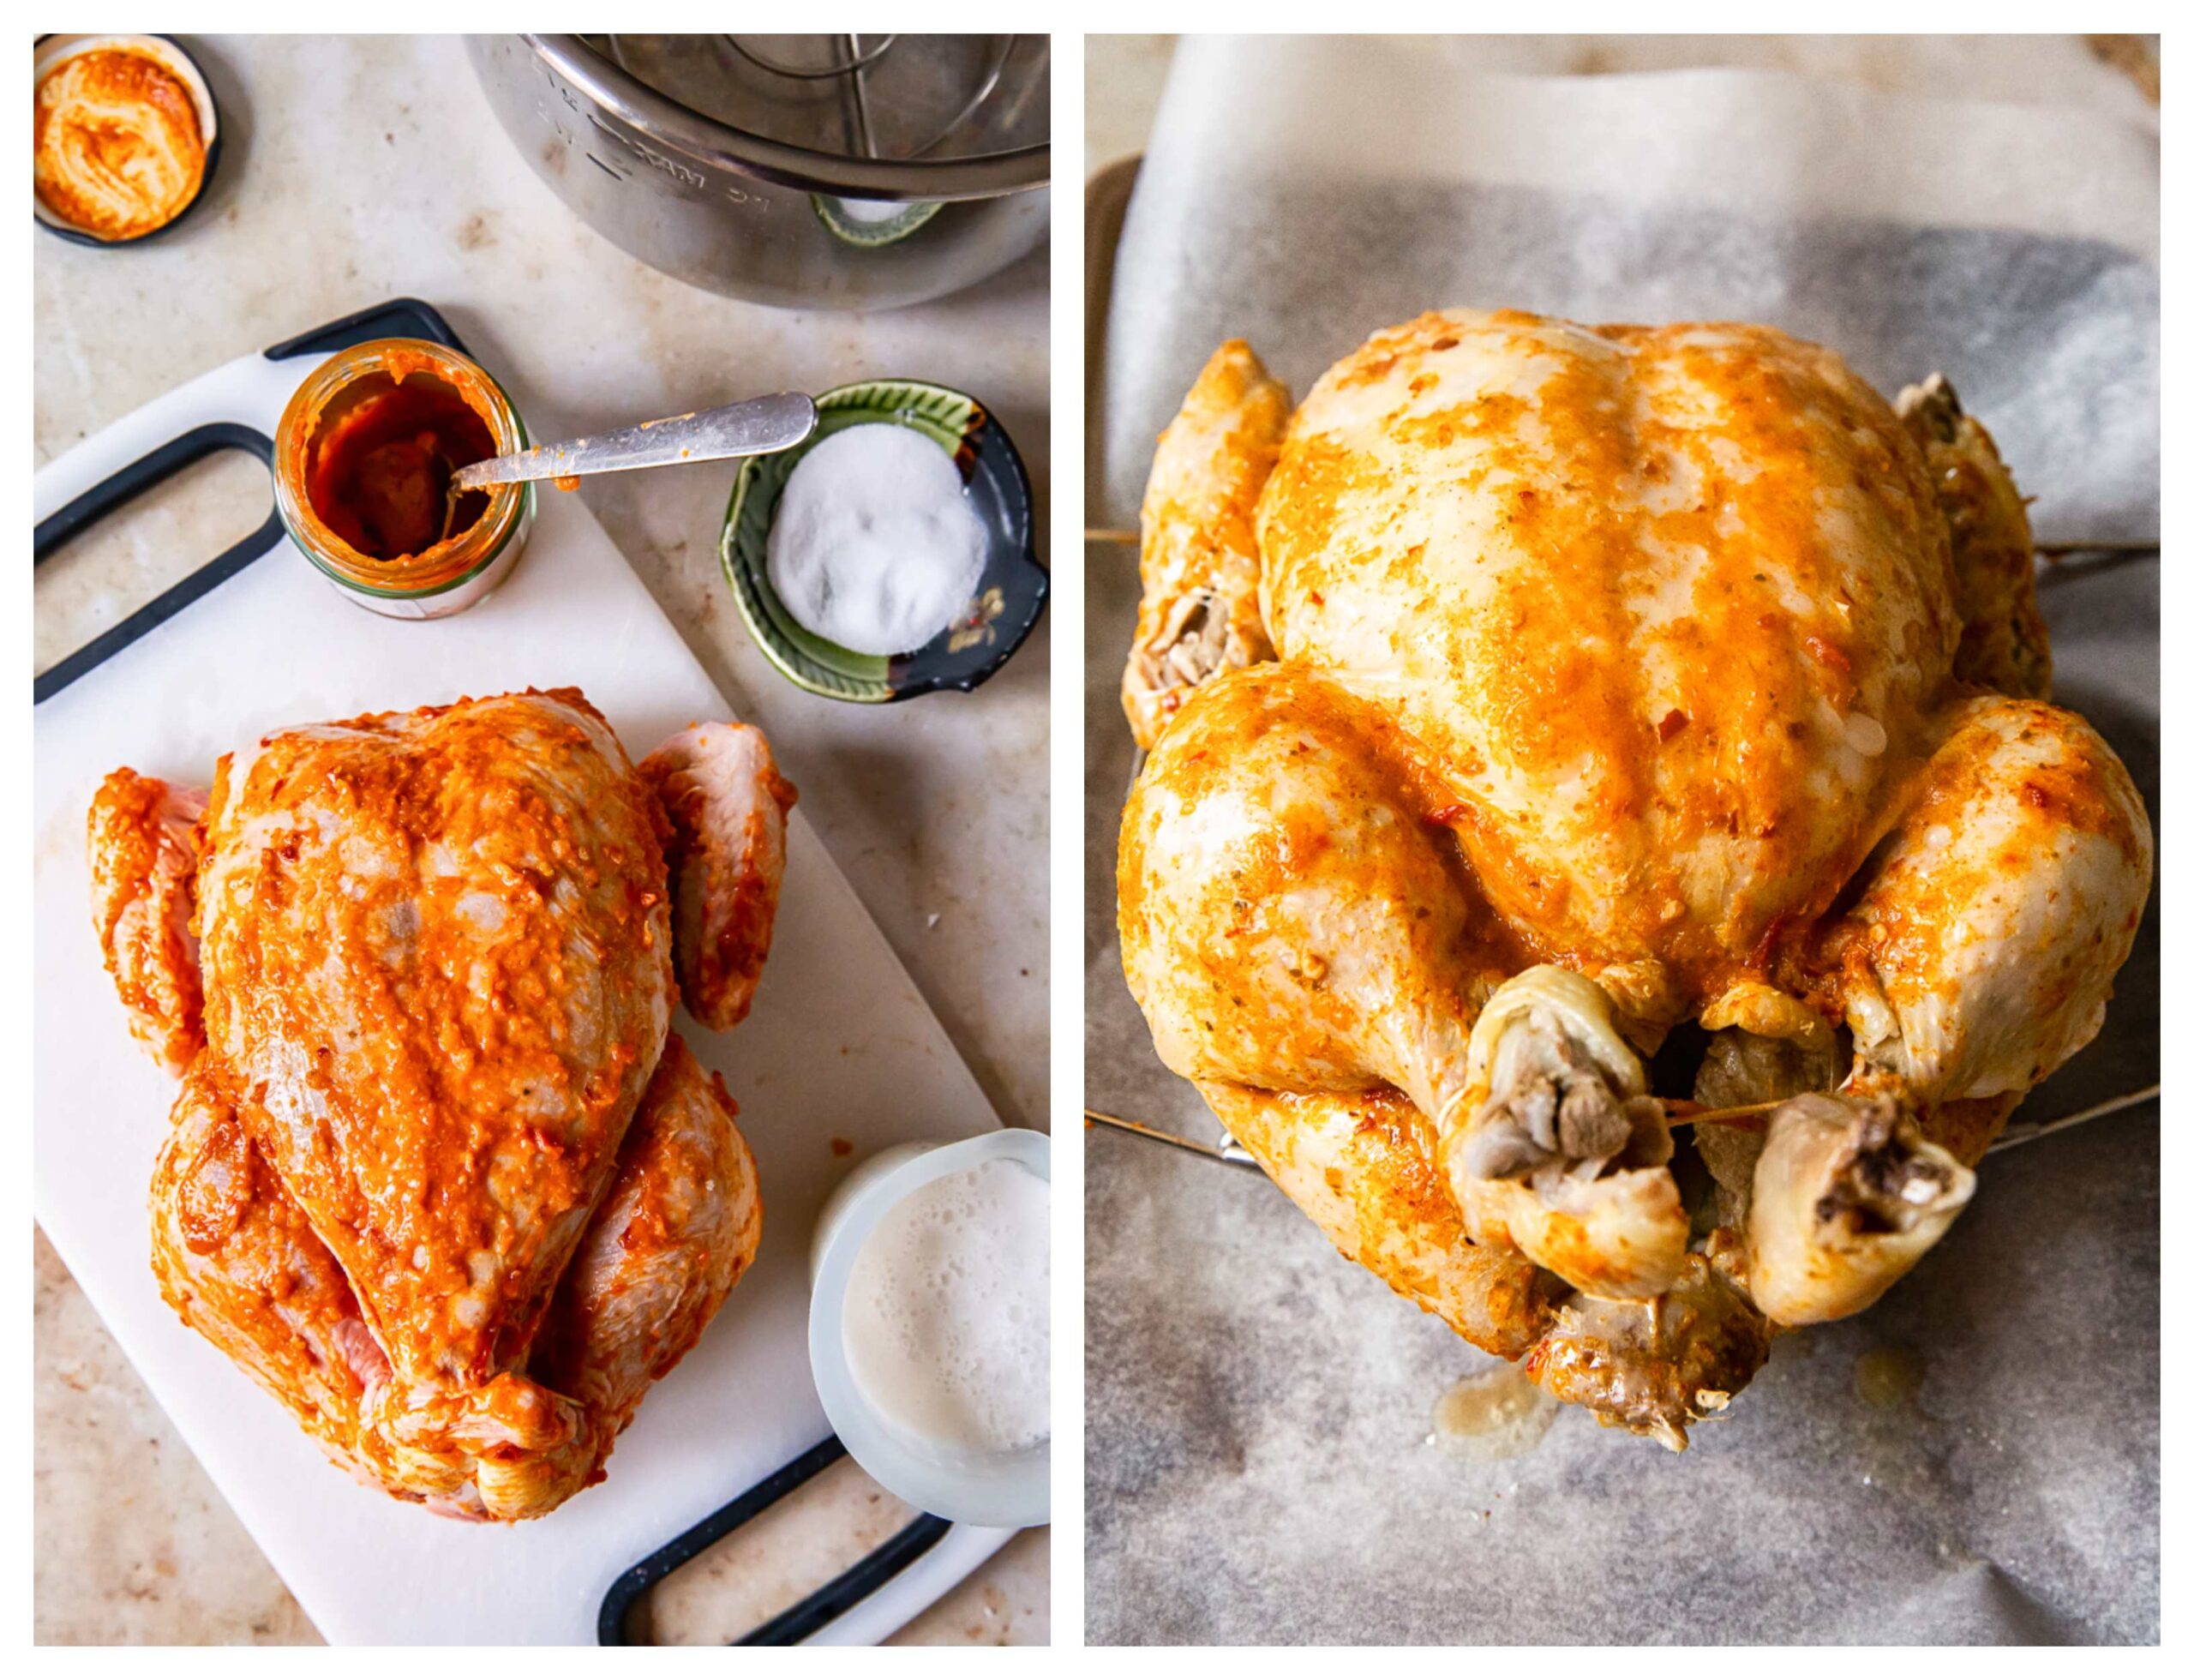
441	1179
1537	700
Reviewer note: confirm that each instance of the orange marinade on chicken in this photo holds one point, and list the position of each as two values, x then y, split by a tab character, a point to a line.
675	1235
441	1179
502	867
1745	542
144	847
1585	683
239	1263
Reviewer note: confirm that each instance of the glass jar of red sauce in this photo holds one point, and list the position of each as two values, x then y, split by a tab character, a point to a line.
362	459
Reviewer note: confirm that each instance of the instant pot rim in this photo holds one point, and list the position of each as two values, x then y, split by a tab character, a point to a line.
658	116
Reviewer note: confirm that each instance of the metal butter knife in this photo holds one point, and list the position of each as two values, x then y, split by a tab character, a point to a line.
760	426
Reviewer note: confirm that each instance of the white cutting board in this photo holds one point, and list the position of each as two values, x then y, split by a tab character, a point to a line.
840	1045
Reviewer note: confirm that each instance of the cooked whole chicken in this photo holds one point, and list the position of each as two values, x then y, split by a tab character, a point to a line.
1536	689
441	1179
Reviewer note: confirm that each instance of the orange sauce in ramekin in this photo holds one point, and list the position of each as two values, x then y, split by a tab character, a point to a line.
119	152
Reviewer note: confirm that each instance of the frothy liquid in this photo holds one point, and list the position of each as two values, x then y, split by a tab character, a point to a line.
948	1311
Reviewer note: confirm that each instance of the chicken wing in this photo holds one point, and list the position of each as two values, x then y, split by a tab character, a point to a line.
1199	615
143	848
726	805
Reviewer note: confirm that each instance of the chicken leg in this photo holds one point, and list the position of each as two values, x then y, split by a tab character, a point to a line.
1977	958
240	1263
1560	1150
677	1231
1286	922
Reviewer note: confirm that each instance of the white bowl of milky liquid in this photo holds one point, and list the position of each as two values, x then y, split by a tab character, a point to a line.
929	1328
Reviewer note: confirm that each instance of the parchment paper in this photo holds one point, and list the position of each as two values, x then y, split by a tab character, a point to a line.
1258	1408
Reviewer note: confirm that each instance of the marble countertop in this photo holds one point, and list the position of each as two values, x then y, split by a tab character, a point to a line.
354	170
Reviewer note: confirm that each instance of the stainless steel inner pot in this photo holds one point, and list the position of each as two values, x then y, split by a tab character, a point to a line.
831	171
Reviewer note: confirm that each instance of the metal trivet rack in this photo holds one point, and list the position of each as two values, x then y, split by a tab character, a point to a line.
1229	1153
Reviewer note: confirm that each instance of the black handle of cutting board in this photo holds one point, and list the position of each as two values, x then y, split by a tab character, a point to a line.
402	317
824	1605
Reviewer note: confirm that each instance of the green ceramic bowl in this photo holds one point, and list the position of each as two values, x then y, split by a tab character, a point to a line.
856	223
1009	599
